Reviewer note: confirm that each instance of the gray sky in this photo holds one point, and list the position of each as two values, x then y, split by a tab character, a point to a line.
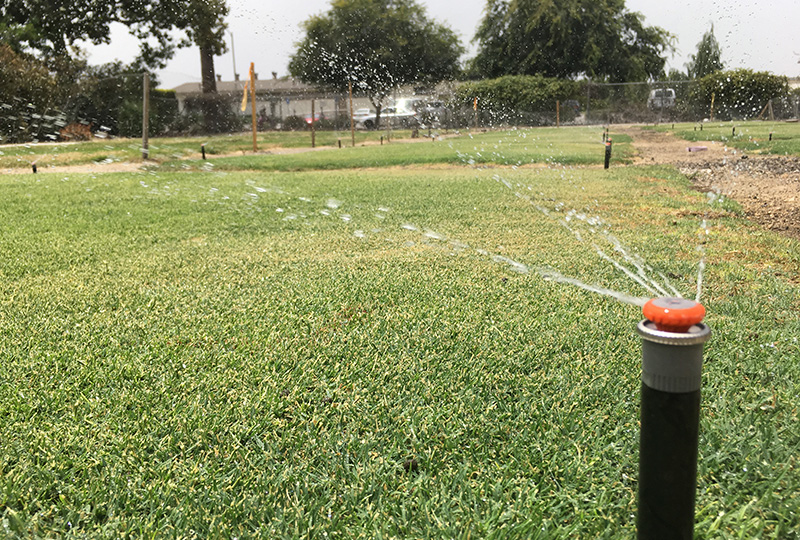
757	34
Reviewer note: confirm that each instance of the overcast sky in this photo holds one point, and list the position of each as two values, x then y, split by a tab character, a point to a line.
757	34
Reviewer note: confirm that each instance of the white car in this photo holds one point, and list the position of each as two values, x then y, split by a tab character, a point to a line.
395	117
361	114
661	98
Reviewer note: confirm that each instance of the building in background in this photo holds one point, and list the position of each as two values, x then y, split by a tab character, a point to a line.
279	98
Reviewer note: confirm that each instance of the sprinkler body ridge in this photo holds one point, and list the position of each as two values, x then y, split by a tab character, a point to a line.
672	358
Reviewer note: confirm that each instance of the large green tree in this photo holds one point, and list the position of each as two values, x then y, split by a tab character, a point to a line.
377	45
568	38
51	29
205	27
708	59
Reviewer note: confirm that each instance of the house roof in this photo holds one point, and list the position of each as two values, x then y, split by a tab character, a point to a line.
285	86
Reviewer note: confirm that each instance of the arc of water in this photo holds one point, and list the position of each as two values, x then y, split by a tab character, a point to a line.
622	297
626	271
650	284
700	268
515	266
637	263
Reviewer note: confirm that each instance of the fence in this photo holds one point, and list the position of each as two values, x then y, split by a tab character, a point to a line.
104	106
112	106
646	103
685	101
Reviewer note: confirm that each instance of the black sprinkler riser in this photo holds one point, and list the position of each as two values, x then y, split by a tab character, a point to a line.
670	418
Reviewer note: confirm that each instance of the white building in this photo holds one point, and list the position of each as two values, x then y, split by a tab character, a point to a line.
279	98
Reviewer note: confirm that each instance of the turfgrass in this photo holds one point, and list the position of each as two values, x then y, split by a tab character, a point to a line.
340	354
165	149
752	136
513	147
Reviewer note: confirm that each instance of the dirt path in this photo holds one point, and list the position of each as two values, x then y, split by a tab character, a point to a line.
767	187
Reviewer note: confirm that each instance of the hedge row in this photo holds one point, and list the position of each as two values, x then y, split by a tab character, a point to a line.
738	94
516	98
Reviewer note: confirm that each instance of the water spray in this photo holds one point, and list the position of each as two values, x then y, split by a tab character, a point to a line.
672	358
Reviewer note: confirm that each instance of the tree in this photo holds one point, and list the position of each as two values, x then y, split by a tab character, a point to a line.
377	45
568	38
708	59
52	28
27	89
206	29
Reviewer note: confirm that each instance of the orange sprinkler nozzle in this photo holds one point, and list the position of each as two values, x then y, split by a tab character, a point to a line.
673	314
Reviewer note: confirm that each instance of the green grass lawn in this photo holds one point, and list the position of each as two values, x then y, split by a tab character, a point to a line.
752	136
513	147
165	149
376	353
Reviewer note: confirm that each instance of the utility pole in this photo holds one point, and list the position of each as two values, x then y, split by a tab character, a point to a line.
588	97
352	126
233	57
313	131
253	102
145	116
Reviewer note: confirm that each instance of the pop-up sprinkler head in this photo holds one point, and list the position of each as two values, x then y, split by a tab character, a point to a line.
676	315
673	335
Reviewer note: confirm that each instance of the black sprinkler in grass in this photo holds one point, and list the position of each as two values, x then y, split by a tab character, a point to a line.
672	358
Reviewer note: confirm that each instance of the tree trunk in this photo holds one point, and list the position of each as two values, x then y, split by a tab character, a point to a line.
207	70
211	104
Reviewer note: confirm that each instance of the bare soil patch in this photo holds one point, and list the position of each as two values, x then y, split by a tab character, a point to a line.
767	187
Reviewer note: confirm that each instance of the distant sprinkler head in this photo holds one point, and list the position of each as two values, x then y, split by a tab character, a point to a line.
676	315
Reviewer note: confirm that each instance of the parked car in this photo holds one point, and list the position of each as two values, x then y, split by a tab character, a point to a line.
317	117
362	114
393	116
661	98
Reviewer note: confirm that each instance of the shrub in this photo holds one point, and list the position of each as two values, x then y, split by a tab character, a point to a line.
516	99
219	113
294	123
28	99
738	94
